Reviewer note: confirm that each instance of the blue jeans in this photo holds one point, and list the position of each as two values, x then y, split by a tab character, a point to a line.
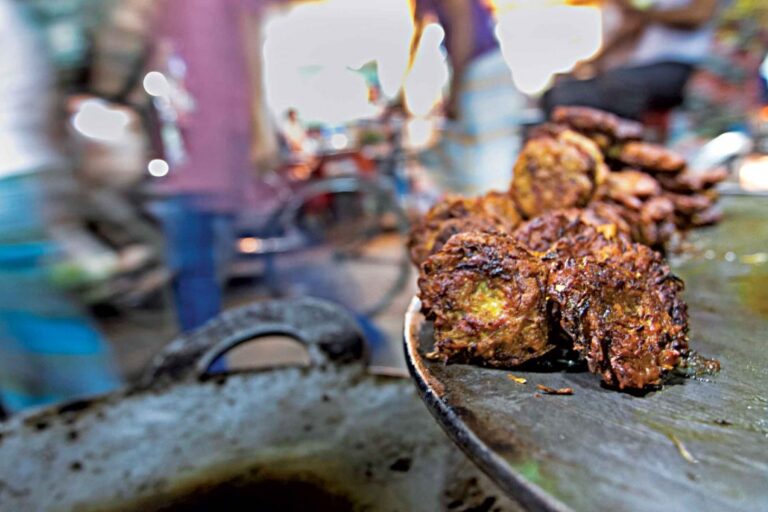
199	241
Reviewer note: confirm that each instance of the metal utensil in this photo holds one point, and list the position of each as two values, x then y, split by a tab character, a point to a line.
324	437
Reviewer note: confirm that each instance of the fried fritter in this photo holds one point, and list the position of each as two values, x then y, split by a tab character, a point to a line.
450	227
593	121
690	204
561	171
600	213
649	266
688	182
547	130
711	215
649	157
486	295
544	232
630	183
502	206
616	322
493	212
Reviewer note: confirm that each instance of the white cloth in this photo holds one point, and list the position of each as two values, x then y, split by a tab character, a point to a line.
478	150
661	43
26	100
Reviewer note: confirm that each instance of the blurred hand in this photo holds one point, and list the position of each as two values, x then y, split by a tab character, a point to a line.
585	69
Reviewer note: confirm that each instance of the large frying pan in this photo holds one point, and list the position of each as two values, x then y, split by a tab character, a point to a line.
699	445
330	436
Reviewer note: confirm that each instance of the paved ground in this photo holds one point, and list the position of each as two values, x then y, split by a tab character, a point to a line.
138	335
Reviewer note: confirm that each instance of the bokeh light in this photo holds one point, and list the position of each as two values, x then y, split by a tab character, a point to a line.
158	168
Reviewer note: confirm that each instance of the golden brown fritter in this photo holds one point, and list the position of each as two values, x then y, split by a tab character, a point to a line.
593	121
640	200
562	171
630	184
486	295
450	227
600	213
711	215
616	322
502	206
547	130
564	236
453	214
542	233
649	157
688	182
690	204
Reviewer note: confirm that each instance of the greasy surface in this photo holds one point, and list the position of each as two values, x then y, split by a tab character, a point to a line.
561	171
486	295
602	450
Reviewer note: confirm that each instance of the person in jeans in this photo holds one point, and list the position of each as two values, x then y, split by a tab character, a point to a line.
206	44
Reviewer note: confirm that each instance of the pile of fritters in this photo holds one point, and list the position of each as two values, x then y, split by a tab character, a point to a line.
501	301
585	158
565	259
656	192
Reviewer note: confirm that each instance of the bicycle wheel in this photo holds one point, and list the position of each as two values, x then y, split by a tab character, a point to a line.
353	251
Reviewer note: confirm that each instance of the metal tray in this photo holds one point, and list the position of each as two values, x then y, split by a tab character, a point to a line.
699	445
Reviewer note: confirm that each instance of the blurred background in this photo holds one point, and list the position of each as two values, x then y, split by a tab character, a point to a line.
163	160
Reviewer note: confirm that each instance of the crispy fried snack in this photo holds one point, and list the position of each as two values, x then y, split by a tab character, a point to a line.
689	182
486	295
560	171
630	187
643	263
649	157
593	122
493	212
544	232
616	321
711	215
502	206
450	227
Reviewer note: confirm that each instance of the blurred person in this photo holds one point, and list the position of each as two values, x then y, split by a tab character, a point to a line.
669	39
294	132
49	351
481	138
208	43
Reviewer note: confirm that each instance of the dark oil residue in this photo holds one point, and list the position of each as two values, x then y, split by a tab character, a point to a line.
261	496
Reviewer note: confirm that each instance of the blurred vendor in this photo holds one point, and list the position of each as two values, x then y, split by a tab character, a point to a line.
670	38
481	140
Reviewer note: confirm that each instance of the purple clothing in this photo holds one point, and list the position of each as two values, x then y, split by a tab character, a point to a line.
207	35
482	22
